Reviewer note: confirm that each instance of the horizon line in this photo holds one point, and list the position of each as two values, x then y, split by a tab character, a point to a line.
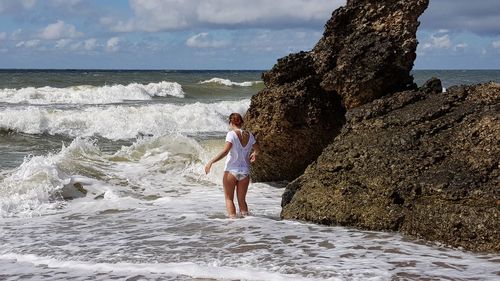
207	69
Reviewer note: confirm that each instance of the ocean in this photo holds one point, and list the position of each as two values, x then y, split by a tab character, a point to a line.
137	141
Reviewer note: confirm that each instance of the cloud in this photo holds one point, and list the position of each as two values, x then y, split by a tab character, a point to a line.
438	42
29	44
61	43
163	15
59	30
16	34
90	44
14	6
68	3
460	46
112	45
204	40
496	44
479	17
3	35
266	12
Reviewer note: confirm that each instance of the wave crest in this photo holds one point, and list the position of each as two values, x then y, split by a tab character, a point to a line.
85	94
227	82
120	121
147	167
36	185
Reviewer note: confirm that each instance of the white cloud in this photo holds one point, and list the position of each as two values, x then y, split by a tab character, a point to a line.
29	44
441	42
16	34
264	11
66	2
76	46
59	30
28	4
204	40
160	15
90	44
112	45
3	35
438	42
61	43
496	44
460	46
16	5
479	17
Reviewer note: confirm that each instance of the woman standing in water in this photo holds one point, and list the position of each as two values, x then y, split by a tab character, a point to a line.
239	144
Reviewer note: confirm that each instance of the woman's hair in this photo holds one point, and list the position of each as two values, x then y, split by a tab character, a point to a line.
233	115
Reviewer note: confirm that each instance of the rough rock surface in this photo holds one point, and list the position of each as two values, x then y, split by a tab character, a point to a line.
420	162
367	51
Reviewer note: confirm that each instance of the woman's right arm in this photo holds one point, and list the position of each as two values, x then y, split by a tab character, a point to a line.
222	154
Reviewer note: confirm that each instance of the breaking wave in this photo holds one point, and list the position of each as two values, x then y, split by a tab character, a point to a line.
85	94
122	121
227	82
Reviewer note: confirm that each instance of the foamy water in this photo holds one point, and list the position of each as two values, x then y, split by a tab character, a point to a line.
121	121
150	212
227	82
84	94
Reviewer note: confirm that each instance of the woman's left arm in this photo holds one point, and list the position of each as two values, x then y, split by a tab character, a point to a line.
255	153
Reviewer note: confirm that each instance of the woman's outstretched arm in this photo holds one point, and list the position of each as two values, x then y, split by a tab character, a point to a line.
222	154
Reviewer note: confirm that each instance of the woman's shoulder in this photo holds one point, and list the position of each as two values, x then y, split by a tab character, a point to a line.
230	135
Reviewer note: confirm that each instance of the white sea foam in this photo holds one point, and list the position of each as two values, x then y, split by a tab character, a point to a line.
141	169
85	94
190	269
227	82
122	121
161	218
34	187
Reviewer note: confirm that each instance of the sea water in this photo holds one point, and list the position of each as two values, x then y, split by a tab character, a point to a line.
137	141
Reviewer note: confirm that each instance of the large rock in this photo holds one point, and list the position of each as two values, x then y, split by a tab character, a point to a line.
367	51
421	162
292	121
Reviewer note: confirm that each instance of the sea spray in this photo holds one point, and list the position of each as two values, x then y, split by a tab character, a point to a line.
229	83
31	188
85	94
151	166
122	121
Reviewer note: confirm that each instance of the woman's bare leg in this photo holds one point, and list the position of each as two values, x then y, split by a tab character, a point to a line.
241	193
229	183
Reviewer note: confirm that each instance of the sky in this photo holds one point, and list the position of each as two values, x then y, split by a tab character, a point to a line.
219	34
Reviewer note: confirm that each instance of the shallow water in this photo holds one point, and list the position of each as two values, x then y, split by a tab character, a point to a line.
184	234
150	213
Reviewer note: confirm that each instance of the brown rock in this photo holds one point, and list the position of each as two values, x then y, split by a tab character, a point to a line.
367	51
424	164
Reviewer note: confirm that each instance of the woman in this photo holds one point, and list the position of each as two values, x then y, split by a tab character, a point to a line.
239	144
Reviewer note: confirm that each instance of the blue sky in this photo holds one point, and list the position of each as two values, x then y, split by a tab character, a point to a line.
219	34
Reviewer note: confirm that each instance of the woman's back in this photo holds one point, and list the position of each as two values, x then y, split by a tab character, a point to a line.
238	158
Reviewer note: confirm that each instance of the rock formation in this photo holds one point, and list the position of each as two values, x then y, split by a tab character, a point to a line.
421	162
367	51
397	158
